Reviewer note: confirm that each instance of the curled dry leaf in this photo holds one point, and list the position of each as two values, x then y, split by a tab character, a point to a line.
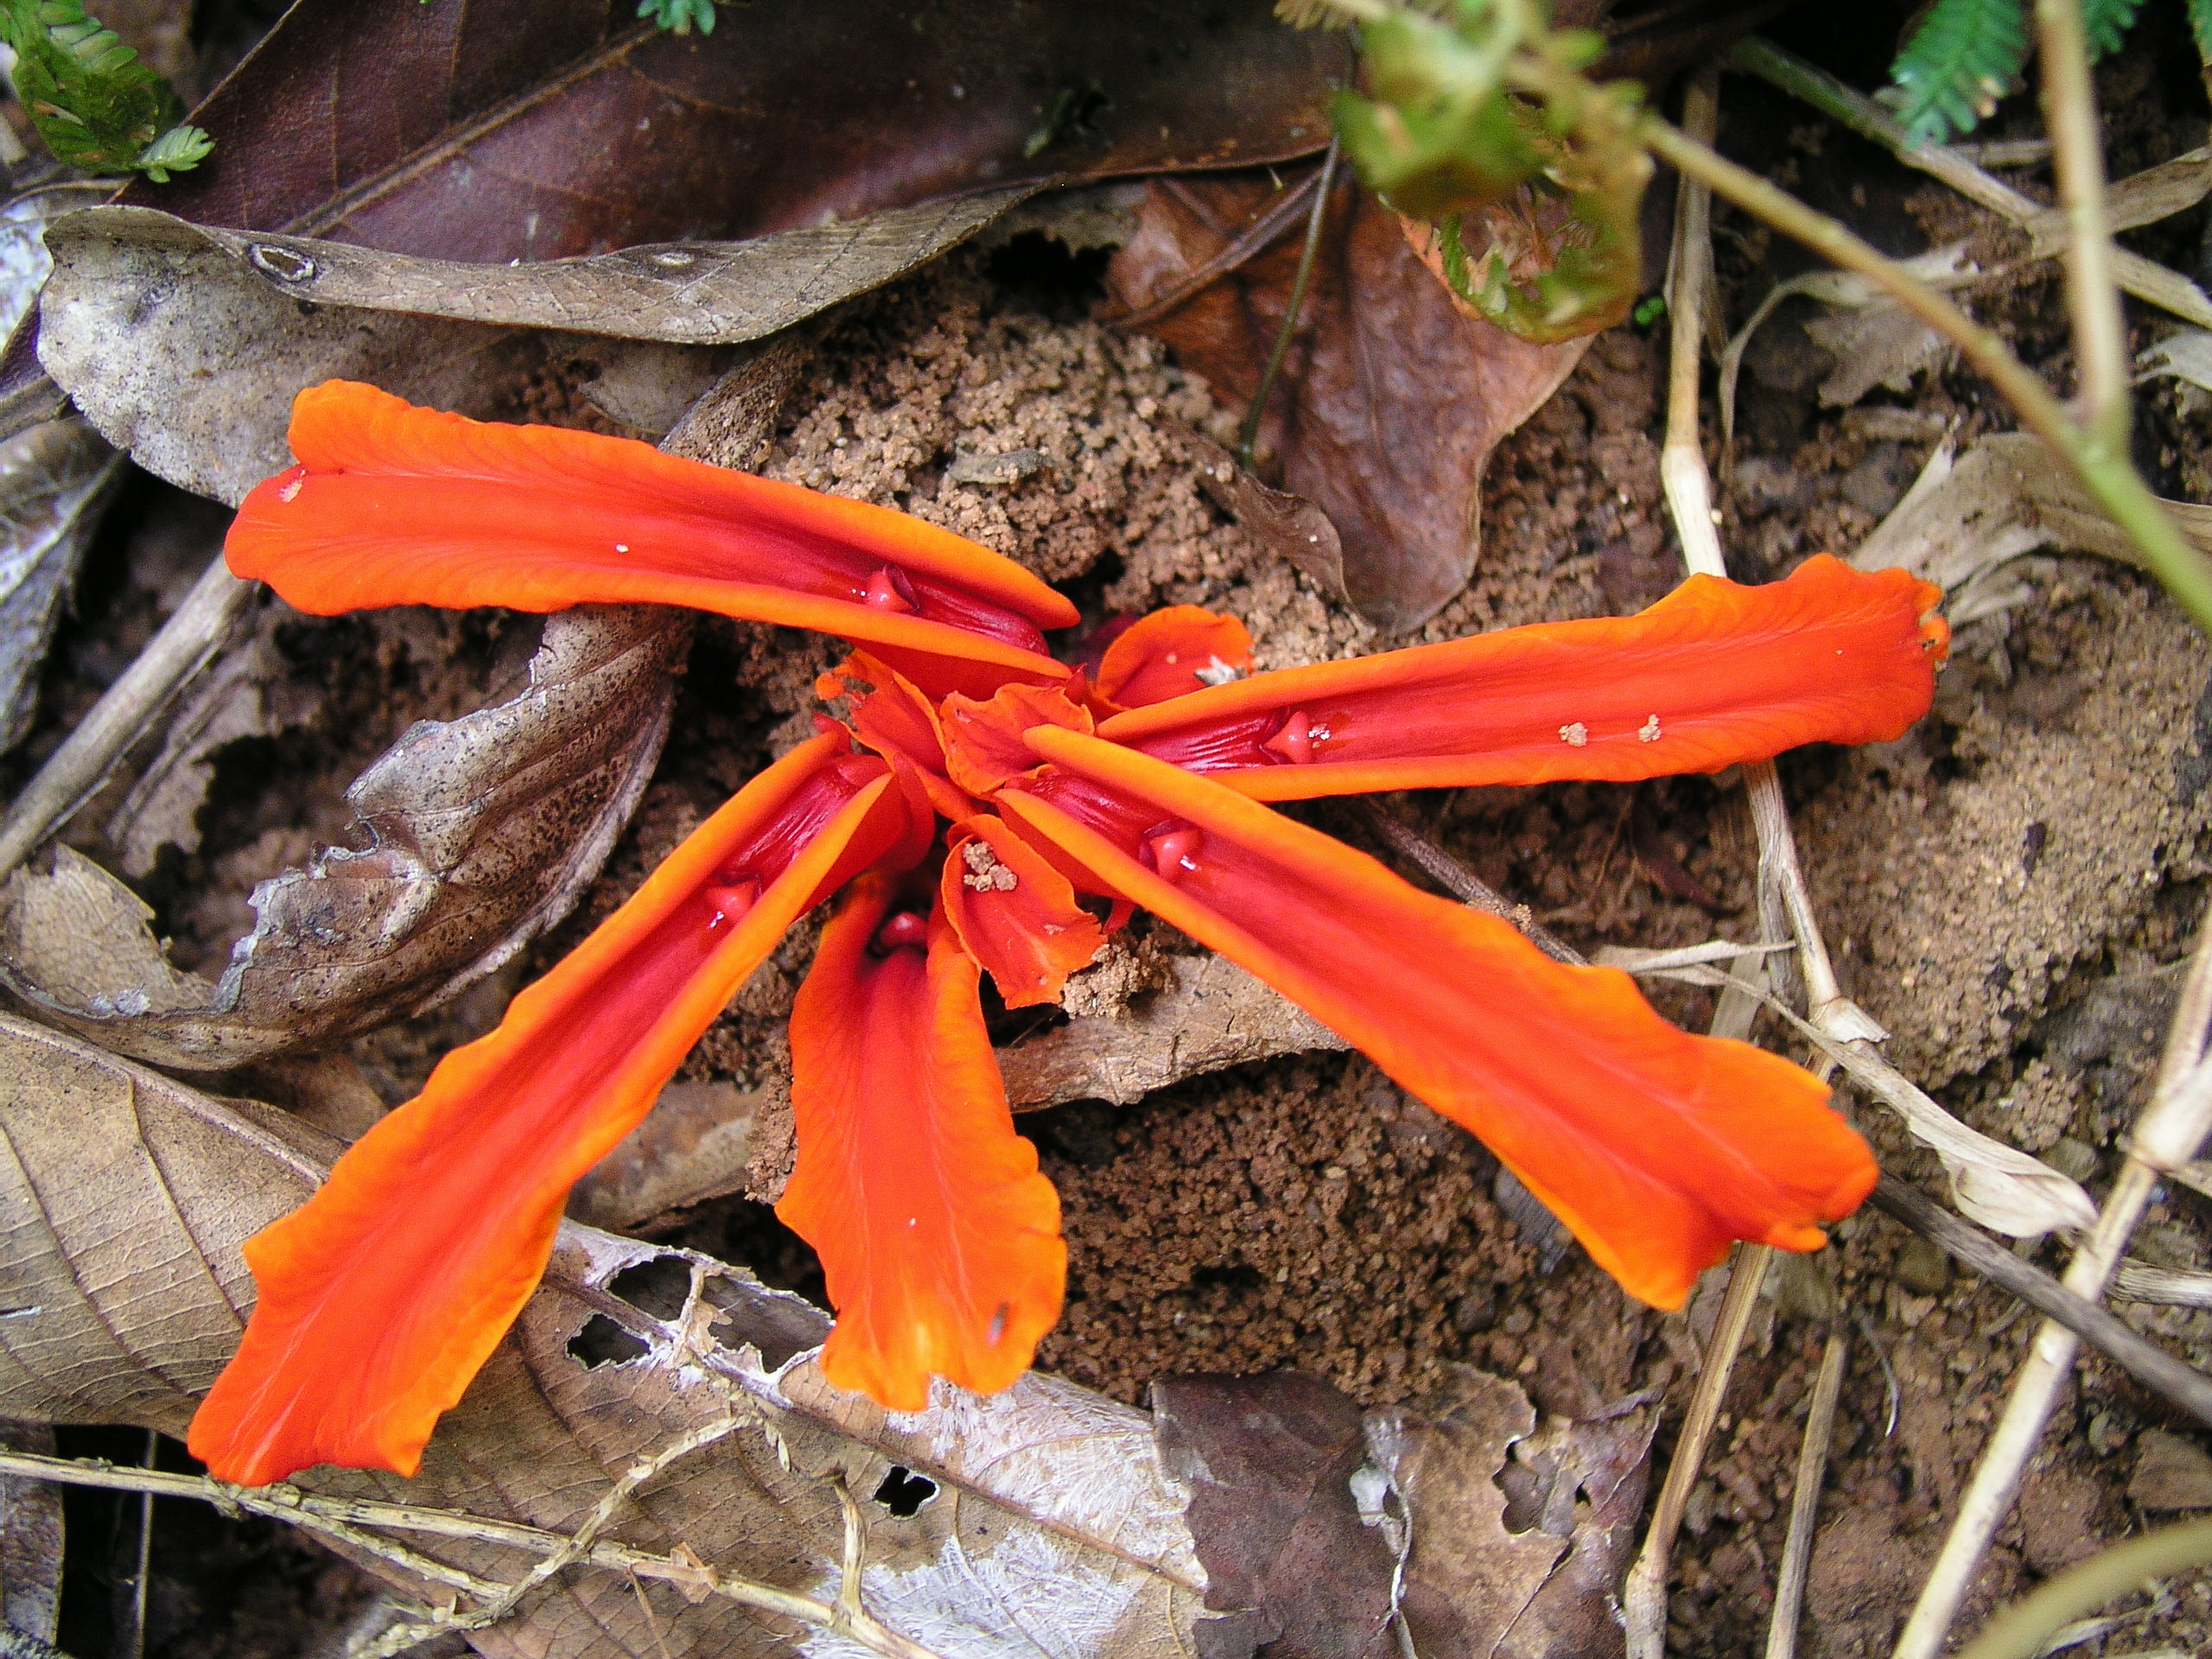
125	1197
690	294
1488	1535
55	480
1967	517
478	834
30	1540
175	347
1390	401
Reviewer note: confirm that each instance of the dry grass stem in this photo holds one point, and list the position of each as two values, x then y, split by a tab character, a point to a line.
74	772
2176	1108
2048	232
1805	1498
2185	1386
354	1521
1645	1597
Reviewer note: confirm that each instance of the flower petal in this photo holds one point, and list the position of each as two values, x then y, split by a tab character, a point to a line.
1656	1148
939	1241
383	1296
900	724
982	737
1165	654
1713	674
391	504
1015	914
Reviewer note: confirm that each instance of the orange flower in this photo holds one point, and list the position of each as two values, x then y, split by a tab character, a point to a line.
940	1239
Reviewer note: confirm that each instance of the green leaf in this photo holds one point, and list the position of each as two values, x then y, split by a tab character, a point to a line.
178	150
1965	56
94	103
2106	22
678	16
2200	25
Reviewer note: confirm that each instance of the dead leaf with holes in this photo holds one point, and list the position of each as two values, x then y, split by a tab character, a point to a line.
1321	1527
125	1196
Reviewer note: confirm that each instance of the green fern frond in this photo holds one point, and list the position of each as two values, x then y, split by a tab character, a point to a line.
2106	23
1965	55
677	16
94	102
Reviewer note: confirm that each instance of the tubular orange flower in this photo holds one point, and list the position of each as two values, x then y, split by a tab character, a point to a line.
1656	1148
1713	674
391	504
382	1297
939	1241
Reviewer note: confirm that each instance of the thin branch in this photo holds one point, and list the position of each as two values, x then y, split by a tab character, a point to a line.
1457	879
2182	1384
2165	1137
1645	1596
73	772
1805	1498
2106	475
2069	111
1248	439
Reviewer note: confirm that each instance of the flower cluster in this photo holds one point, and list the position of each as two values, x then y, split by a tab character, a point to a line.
985	808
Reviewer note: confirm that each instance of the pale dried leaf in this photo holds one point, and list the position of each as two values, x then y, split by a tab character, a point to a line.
2185	354
177	349
682	293
1881	344
1041	1515
1967	517
479	833
30	1540
55	480
1846	291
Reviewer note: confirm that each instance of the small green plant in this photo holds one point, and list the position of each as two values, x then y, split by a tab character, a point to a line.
94	102
1968	55
1482	124
678	16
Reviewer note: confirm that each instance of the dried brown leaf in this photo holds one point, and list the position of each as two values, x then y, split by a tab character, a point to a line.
1390	401
498	130
1269	1463
30	1540
1488	1535
479	833
124	1199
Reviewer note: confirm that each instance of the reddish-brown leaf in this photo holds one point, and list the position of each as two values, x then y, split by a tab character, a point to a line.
497	129
1389	401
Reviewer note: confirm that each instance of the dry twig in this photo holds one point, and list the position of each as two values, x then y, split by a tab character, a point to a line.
1805	1497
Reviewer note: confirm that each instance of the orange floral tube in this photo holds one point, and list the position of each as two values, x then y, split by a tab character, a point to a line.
383	1296
391	504
1713	674
939	1240
1656	1148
